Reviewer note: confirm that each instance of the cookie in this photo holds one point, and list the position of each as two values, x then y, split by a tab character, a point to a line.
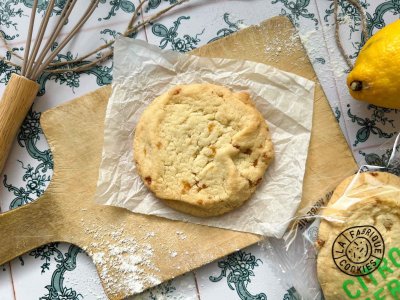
202	149
359	239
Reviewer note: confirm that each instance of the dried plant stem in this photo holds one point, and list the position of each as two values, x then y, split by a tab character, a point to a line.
69	5
78	26
108	54
135	14
84	67
364	28
9	49
82	58
9	62
32	67
42	29
29	40
156	16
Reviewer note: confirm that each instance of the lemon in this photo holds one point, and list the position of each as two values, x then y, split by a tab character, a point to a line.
375	77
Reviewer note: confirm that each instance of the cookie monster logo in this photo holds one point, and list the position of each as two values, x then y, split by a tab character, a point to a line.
358	250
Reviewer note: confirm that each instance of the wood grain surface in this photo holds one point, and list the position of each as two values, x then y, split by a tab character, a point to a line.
67	213
14	106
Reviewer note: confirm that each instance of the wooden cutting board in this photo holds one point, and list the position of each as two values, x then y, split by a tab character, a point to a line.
133	252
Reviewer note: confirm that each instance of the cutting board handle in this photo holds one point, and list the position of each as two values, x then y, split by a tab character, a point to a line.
14	105
19	234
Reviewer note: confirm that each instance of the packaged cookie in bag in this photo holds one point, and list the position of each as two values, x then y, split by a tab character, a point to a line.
358	239
352	249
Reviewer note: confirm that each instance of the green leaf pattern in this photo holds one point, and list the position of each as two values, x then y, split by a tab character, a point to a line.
238	270
9	11
370	125
170	36
296	10
125	5
153	4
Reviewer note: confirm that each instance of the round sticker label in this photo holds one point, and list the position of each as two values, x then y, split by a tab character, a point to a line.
358	250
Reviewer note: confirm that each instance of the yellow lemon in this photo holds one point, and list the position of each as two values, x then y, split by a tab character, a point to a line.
376	75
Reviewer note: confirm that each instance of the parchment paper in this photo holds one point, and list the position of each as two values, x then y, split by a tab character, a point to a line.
143	71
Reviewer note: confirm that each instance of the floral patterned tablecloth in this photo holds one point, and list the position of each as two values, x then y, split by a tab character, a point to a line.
61	271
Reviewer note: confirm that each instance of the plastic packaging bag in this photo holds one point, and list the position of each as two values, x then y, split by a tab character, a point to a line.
352	249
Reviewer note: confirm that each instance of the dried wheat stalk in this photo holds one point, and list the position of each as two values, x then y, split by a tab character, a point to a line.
35	63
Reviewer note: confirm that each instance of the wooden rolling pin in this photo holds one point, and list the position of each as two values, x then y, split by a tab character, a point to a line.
14	106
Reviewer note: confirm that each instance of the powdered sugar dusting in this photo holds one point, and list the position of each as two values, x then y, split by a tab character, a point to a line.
98	257
150	234
125	265
274	47
181	235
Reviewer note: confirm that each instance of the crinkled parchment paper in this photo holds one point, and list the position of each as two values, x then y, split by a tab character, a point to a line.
142	72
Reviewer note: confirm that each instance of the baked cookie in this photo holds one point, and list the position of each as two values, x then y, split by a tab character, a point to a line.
359	239
202	149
